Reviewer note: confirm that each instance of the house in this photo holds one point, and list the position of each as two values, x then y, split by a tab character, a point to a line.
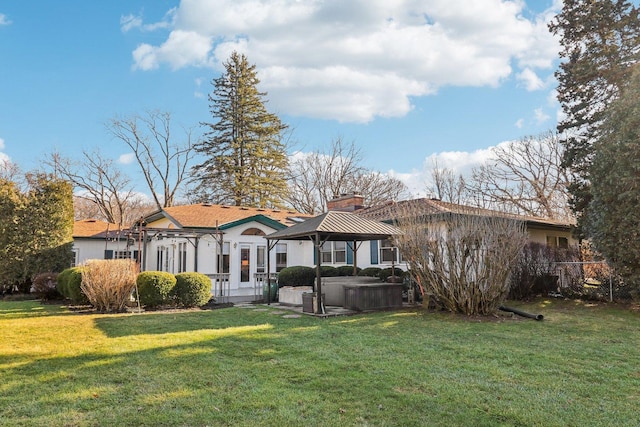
95	239
228	243
382	253
224	242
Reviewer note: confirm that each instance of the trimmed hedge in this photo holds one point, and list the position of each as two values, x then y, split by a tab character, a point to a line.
68	284
385	273
155	288
192	289
297	275
347	270
328	271
370	272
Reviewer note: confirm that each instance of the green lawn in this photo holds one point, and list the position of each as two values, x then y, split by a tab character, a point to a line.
242	367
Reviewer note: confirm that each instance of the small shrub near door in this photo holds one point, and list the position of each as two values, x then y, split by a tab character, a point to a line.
108	283
192	289
155	288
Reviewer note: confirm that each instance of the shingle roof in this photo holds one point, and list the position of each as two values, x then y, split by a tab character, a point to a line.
93	228
209	216
336	225
424	206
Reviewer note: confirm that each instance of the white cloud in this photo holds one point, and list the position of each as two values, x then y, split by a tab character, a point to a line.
1	144
357	60
181	49
127	158
131	21
519	123
530	79
459	162
540	116
4	19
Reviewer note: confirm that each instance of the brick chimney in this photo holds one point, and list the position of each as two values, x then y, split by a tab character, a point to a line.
346	203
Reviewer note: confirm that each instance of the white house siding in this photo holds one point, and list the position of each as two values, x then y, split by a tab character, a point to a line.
238	244
92	248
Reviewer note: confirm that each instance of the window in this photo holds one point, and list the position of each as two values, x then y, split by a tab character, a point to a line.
182	257
333	253
281	256
162	259
122	254
389	254
261	259
223	264
245	263
558	242
76	257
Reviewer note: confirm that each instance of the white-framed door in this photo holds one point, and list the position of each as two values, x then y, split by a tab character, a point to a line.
253	259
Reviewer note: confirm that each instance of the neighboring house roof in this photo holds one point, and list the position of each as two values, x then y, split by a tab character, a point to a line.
337	225
95	229
390	210
222	216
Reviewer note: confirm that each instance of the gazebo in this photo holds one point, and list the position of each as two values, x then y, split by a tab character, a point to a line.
333	226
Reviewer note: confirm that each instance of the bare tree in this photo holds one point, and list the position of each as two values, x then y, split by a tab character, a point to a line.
446	186
525	177
318	177
163	163
463	261
11	172
99	181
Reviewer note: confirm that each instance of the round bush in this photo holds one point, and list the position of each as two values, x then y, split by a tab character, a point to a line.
328	271
385	273
297	275
192	289
155	287
370	272
44	286
69	282
347	270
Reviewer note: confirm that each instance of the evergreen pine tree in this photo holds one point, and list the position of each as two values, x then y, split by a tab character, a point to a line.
245	158
600	42
613	219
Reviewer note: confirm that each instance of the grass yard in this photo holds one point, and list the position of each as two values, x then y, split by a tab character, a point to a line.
244	367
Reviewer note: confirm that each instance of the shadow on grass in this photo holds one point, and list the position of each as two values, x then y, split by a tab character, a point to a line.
30	309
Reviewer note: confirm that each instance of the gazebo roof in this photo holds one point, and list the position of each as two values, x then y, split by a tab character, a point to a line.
336	225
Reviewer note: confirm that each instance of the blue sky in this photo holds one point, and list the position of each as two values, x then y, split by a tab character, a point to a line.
407	81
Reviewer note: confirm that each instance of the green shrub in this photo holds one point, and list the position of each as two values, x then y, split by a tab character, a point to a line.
328	271
44	286
347	270
155	288
69	285
370	272
192	289
385	273
297	275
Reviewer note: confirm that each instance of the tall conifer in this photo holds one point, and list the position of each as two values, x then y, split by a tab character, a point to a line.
245	160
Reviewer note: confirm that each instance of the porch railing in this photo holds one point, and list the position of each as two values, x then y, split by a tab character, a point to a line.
220	286
259	281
